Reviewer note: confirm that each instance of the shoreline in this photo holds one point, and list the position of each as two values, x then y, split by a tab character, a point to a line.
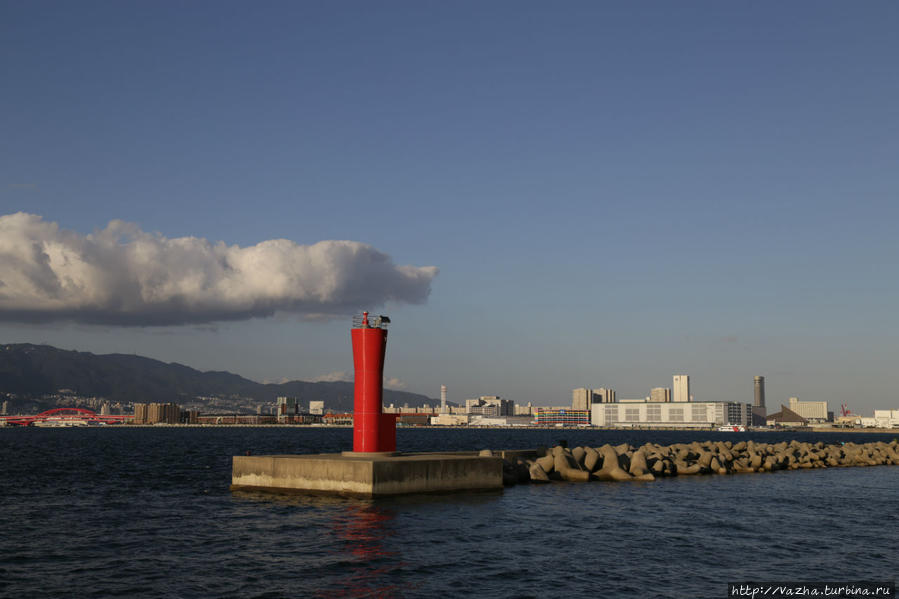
476	428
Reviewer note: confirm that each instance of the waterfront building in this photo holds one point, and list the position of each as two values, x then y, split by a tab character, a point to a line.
813	411
140	413
563	417
442	399
738	413
646	414
5	408
680	388
527	410
163	413
219	419
478	420
342	419
317	407
444	419
660	395
490	405
157	413
886	418
786	417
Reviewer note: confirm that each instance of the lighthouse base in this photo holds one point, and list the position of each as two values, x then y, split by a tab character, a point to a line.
367	475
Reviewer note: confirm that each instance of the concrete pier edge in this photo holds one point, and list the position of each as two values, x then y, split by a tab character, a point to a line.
367	476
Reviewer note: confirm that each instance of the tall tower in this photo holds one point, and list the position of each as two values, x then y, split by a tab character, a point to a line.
443	399
680	390
372	430
759	411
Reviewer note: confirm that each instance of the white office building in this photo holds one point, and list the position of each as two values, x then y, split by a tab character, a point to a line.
815	411
645	414
886	418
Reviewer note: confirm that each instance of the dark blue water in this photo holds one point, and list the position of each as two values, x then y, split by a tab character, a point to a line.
146	512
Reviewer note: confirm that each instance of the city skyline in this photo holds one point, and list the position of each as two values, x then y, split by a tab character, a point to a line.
539	197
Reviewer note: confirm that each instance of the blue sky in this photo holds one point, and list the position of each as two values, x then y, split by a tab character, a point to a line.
613	193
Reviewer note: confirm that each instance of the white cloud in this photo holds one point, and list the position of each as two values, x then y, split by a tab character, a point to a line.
394	383
125	276
333	377
342	375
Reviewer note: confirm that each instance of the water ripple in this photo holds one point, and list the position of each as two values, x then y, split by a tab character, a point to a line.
147	513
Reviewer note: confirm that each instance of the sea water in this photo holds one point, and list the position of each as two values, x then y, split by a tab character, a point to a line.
147	512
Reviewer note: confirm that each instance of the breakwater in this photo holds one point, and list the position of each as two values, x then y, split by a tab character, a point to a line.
625	462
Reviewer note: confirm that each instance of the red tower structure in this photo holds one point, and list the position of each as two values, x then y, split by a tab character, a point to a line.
373	431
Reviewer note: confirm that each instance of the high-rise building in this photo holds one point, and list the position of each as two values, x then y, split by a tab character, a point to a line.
443	399
759	411
680	389
287	407
660	395
5	408
603	395
157	413
581	398
759	397
316	407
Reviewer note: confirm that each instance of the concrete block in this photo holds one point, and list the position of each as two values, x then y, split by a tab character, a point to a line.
367	476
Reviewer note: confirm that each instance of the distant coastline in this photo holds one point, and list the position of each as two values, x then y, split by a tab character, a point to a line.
497	427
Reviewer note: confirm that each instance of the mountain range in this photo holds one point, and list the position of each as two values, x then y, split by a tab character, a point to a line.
31	372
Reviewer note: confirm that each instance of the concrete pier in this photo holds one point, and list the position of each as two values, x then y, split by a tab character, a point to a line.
367	476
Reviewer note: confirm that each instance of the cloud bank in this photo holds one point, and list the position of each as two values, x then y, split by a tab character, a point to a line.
333	377
122	275
391	382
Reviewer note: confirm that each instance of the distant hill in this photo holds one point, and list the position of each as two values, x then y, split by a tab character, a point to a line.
35	370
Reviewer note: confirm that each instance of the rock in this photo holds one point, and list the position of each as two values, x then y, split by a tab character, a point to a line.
592	459
611	470
579	454
566	466
638	464
683	468
537	474
546	463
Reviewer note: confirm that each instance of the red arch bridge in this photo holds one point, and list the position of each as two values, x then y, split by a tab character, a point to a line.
66	417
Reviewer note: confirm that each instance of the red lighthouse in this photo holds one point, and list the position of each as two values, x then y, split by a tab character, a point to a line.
373	432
